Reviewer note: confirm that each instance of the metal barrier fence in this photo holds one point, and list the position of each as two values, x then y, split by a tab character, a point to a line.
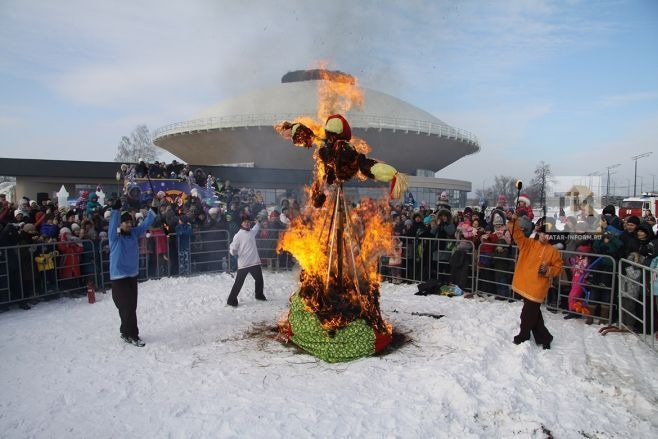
424	259
195	253
42	270
491	270
32	272
586	287
495	269
638	287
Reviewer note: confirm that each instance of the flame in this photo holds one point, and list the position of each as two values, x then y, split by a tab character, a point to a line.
337	97
312	237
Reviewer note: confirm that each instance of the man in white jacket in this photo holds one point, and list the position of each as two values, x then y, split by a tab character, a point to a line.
244	247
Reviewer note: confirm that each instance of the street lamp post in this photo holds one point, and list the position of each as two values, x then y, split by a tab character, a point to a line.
636	158
590	183
607	183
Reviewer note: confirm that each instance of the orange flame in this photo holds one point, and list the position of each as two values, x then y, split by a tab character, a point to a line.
312	236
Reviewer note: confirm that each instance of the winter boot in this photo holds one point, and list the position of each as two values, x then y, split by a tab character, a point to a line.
518	339
547	345
137	342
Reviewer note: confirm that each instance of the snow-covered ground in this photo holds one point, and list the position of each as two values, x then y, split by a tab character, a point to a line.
212	371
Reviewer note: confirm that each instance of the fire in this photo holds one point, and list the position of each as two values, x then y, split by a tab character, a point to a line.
337	97
338	289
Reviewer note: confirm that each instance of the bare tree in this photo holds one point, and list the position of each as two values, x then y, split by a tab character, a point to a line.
503	185
138	145
540	185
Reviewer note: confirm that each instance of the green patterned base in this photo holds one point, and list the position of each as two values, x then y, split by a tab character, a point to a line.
355	340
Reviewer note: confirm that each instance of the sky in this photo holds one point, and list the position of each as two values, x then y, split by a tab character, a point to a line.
571	83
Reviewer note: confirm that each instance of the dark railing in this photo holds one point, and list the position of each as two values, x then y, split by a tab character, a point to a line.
41	271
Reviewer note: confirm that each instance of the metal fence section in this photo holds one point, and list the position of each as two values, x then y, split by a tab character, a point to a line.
31	272
586	287
495	269
424	259
198	252
266	242
638	287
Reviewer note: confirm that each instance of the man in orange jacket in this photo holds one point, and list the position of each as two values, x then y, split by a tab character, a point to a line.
538	262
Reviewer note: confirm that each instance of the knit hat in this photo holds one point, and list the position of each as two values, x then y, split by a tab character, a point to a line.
408	222
17	212
646	228
524	199
633	220
213	211
498	220
337	125
427	220
125	216
609	210
64	231
445	212
75	227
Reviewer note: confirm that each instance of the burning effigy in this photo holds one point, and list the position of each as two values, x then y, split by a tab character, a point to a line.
335	314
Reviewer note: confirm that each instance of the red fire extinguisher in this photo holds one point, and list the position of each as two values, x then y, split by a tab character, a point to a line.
91	294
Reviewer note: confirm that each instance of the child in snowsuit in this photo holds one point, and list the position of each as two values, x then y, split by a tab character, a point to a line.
579	264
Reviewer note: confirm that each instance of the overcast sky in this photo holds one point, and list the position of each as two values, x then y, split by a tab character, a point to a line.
573	83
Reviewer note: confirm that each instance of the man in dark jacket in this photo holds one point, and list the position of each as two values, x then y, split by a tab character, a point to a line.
629	237
124	267
611	218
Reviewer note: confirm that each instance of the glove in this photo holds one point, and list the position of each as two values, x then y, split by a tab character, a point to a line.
302	135
116	205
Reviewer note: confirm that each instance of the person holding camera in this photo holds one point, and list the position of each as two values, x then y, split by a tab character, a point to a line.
244	247
124	266
538	262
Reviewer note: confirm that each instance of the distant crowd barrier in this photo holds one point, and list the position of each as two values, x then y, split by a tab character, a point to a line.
593	289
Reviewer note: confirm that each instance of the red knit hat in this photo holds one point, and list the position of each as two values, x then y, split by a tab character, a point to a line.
336	124
525	199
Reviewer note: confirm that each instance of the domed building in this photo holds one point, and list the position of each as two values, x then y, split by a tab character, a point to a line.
240	130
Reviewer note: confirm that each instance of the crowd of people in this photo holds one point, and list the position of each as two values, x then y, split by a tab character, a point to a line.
52	247
64	238
592	244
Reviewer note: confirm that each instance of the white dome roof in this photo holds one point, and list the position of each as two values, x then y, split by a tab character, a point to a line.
241	130
300	98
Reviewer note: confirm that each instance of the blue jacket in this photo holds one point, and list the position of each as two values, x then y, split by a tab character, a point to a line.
183	231
124	249
49	230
